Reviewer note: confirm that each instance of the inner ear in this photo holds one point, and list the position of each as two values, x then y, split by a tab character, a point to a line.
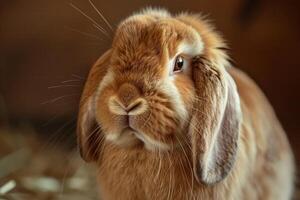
88	132
215	125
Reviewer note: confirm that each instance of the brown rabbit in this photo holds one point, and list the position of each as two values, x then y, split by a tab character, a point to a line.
165	116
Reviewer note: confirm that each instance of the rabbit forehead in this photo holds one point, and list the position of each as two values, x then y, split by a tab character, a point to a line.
145	40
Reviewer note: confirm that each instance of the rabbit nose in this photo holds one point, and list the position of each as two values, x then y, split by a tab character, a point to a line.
137	107
127	102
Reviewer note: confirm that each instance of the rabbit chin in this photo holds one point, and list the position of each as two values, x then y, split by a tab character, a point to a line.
130	138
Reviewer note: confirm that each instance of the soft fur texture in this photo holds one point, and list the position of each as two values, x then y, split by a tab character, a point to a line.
207	132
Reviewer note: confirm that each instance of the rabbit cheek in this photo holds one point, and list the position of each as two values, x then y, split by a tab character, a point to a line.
176	101
187	91
160	126
155	127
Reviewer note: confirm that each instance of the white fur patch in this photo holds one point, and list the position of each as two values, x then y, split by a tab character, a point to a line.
159	12
87	115
168	88
112	136
187	50
107	79
191	49
150	143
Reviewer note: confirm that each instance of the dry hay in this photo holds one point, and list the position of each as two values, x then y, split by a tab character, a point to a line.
29	169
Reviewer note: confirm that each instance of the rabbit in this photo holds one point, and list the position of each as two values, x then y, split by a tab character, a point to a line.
164	114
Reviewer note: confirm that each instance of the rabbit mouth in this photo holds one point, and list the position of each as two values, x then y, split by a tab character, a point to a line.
126	138
130	137
149	143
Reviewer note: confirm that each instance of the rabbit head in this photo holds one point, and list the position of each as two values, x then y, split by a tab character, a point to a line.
163	80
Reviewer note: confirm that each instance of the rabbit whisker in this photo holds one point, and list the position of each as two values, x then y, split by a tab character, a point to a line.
84	33
187	158
159	166
91	134
59	86
97	140
71	80
100	29
173	177
77	76
90	19
170	180
100	14
58	98
100	141
54	138
189	164
148	118
194	127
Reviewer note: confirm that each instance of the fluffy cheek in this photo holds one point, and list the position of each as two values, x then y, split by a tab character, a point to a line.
187	92
180	91
169	111
157	125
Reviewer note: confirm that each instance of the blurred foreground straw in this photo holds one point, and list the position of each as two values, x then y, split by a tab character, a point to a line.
30	169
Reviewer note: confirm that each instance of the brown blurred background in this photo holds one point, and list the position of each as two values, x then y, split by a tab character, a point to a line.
41	46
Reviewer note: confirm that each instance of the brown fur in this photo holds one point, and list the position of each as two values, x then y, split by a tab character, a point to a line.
228	145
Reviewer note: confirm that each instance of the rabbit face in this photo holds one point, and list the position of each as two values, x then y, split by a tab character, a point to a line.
146	96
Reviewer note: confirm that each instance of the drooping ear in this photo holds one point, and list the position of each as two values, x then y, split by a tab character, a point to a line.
215	124
89	134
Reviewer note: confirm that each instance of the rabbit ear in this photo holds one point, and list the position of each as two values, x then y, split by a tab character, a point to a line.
89	134
215	124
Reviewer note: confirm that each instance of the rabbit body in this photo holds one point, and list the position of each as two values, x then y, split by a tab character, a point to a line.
165	116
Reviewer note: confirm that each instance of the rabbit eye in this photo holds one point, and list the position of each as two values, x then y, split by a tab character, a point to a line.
179	63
